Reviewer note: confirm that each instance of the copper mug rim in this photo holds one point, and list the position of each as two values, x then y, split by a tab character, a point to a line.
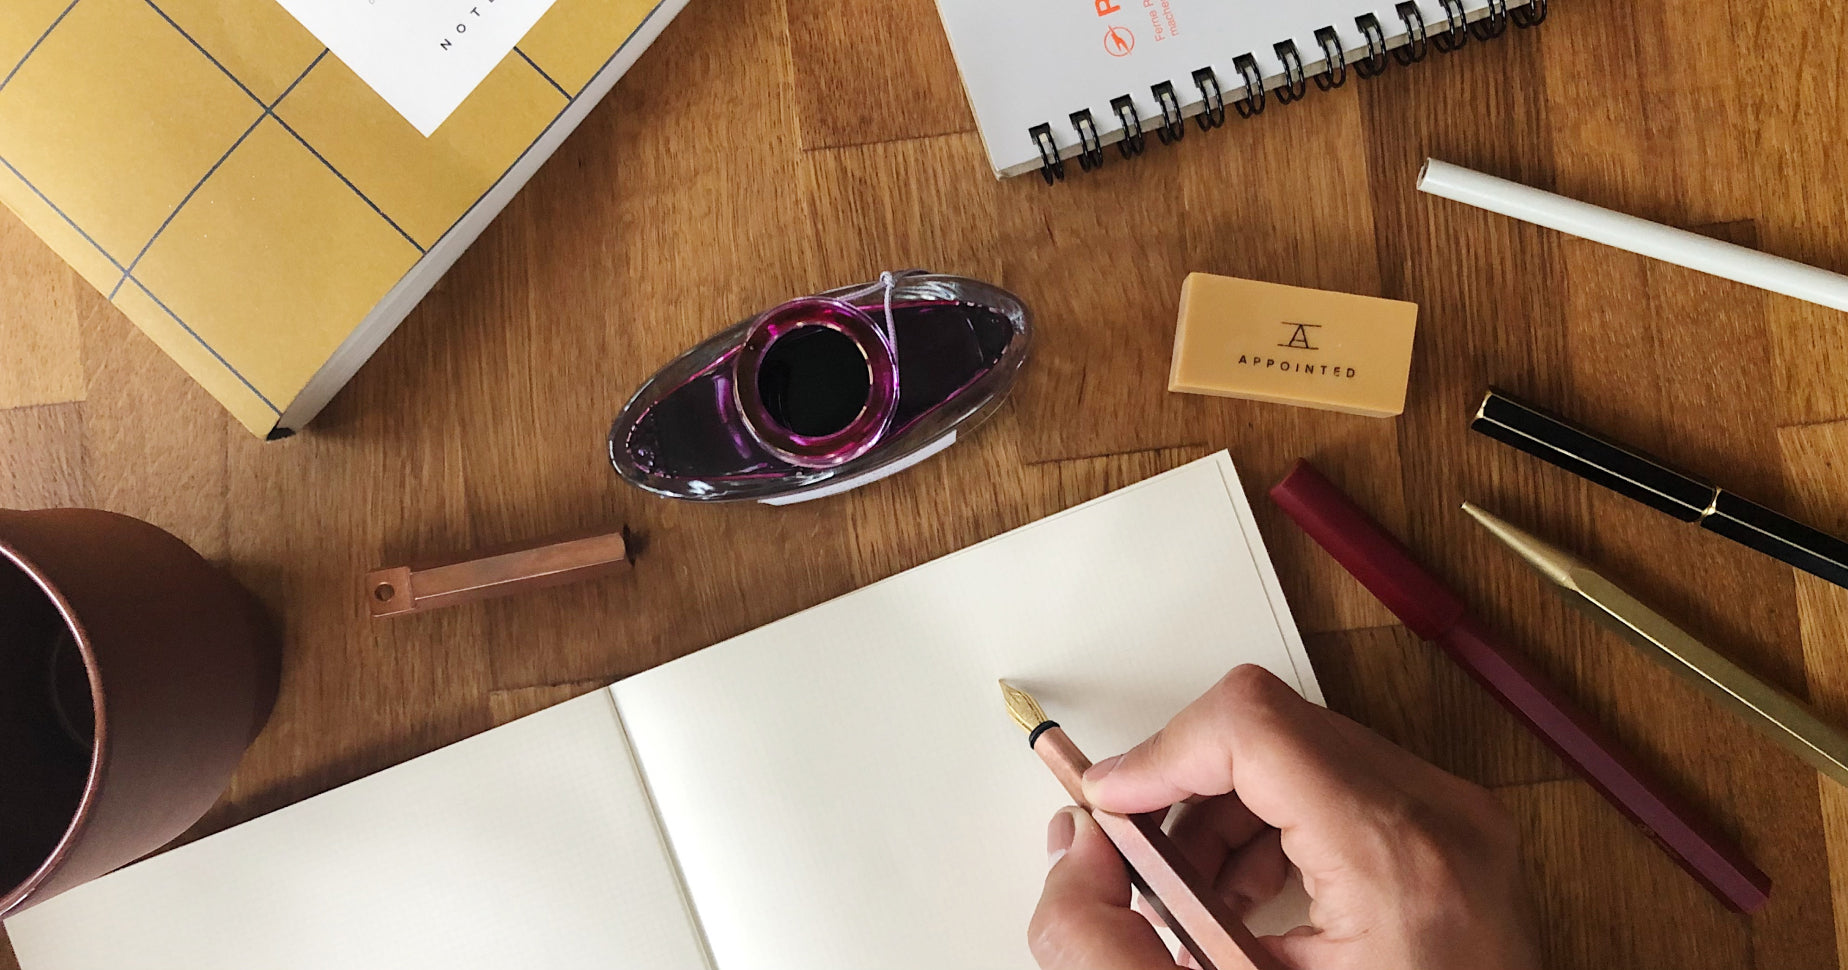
99	741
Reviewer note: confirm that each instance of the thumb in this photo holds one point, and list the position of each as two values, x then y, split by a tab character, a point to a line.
1084	921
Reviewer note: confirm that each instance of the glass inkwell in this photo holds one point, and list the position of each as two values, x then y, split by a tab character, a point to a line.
825	393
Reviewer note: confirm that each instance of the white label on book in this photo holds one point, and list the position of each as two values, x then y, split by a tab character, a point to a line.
424	57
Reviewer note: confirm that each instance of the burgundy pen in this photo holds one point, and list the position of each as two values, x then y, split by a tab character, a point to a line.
1432	611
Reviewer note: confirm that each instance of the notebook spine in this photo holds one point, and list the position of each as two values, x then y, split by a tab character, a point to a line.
1293	84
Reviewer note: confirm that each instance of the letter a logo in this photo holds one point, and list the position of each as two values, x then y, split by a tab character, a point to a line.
1299	336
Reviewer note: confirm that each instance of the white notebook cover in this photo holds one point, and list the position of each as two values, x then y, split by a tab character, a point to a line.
840	790
1032	62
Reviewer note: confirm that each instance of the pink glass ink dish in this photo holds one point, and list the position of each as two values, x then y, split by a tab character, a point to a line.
825	393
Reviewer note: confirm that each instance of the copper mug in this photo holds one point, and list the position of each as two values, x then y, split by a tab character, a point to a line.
133	674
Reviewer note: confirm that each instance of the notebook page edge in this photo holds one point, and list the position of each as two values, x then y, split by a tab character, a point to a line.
661	834
1306	682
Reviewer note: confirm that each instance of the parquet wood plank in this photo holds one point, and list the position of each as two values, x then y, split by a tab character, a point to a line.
1606	897
1815	460
763	150
1790	76
43	360
56	473
870	74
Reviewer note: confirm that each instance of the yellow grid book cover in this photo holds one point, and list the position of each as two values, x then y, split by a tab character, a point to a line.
247	199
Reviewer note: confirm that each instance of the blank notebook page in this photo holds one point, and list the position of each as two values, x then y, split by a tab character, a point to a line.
531	845
844	789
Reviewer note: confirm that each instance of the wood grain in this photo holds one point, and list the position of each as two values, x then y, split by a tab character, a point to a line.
761	150
44	348
870	74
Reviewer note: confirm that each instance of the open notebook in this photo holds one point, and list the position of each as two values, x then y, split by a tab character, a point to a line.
1060	79
839	790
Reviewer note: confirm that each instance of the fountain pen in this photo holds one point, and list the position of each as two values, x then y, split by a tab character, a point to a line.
1659	485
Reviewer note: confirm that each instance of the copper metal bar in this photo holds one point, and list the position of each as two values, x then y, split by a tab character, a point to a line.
414	589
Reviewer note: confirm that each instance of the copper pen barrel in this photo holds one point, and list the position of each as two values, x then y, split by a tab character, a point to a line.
1216	937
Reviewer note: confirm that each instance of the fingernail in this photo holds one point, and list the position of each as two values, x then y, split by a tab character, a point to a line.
1096	772
1059	836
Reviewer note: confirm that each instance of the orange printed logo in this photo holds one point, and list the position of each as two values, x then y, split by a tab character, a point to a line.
1118	41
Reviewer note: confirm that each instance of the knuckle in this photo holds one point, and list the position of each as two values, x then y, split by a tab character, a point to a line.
1249	685
1050	932
1495	825
1447	850
1151	754
1426	847
1494	815
1398	814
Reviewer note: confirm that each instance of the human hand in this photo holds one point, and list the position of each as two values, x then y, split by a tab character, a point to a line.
1406	866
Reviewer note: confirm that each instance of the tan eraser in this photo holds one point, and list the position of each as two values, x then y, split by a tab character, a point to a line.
1291	345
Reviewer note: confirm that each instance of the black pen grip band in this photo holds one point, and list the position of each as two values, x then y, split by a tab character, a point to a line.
1044	726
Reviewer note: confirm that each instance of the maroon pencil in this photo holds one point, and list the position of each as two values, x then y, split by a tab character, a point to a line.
1431	610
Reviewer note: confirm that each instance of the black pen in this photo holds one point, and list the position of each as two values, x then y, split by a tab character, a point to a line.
1660	486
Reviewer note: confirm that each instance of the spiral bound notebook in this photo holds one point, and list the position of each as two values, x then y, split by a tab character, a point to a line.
1053	80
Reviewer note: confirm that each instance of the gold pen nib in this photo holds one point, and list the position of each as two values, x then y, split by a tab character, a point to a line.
1550	561
1021	706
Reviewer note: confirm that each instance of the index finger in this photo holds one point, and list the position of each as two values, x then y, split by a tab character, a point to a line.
1286	757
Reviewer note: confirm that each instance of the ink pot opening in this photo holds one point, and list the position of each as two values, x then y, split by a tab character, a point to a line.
816	382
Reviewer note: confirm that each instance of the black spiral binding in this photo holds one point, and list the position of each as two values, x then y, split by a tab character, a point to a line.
1376	62
1125	110
1213	112
1334	56
1173	125
1457	32
1416	38
1253	102
1090	146
1452	34
1492	26
1294	84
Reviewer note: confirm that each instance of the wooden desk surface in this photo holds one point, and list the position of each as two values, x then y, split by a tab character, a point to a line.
766	149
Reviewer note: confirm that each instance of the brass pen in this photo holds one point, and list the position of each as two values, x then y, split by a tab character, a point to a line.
1779	716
